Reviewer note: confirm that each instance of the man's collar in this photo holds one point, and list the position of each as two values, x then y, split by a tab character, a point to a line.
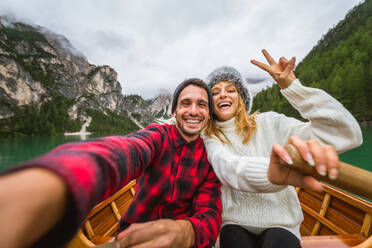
178	138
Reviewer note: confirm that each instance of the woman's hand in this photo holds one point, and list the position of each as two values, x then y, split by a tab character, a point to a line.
282	72
324	158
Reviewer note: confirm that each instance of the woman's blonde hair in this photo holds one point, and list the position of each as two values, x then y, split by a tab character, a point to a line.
245	124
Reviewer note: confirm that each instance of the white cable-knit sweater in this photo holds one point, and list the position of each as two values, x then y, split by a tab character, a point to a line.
247	195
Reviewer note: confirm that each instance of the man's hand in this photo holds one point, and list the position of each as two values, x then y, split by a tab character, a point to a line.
324	158
282	72
32	201
159	233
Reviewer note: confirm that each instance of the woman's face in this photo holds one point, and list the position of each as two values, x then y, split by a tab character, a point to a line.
225	100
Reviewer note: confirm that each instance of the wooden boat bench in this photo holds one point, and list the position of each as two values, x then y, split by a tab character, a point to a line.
332	218
102	222
332	241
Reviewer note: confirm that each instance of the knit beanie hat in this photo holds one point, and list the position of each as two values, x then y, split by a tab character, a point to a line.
230	74
197	82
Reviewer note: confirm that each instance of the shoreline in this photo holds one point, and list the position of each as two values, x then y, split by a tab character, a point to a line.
82	131
365	123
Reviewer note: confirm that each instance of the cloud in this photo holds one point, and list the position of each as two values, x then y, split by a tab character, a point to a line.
156	44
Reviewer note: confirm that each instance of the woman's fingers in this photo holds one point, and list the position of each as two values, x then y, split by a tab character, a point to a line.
324	158
319	156
283	175
332	162
283	62
289	67
277	173
269	59
261	65
302	148
282	153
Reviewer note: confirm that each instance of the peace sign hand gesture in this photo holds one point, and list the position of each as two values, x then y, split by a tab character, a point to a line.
282	72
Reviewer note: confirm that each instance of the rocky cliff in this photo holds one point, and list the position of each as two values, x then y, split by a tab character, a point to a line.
37	66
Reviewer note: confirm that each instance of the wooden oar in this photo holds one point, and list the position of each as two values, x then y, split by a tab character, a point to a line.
350	178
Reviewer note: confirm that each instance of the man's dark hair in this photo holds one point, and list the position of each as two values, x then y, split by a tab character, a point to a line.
197	82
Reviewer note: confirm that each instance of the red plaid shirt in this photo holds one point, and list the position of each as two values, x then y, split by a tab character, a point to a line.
174	179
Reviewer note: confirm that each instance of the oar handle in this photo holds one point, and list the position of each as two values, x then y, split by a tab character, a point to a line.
350	178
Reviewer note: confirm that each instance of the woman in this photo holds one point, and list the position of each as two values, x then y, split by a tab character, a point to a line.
256	212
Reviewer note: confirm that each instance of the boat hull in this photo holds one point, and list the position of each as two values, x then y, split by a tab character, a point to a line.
332	218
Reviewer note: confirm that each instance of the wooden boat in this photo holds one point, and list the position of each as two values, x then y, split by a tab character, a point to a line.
332	218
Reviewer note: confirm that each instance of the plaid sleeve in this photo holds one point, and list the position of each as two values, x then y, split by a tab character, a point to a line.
207	207
95	169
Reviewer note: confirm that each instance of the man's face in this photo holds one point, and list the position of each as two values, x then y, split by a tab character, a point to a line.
192	112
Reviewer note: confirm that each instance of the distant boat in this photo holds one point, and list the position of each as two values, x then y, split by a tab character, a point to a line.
332	218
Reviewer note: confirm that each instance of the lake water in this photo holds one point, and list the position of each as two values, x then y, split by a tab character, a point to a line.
18	149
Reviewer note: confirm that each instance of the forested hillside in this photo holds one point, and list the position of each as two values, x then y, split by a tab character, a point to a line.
340	64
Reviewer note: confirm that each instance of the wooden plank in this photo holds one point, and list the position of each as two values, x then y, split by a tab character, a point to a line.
103	220
331	241
324	230
354	214
111	198
80	241
307	224
89	229
359	203
323	220
101	240
311	201
123	202
112	230
366	228
115	210
314	194
322	212
342	220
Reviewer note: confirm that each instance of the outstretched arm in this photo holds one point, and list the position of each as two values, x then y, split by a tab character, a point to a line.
32	202
329	122
82	172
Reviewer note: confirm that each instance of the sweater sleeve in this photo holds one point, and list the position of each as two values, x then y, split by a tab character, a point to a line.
239	172
329	122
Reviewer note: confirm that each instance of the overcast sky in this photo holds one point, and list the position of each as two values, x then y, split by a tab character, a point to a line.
155	44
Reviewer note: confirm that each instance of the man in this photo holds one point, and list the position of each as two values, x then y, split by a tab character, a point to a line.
177	201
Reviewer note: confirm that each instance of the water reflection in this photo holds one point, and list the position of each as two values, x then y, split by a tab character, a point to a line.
19	149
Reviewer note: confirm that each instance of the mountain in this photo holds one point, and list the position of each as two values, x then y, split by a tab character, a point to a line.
47	86
341	64
161	105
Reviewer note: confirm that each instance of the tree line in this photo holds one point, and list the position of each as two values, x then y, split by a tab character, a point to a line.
340	64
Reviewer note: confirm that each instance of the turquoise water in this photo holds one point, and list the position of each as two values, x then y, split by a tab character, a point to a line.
18	149
15	150
362	155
